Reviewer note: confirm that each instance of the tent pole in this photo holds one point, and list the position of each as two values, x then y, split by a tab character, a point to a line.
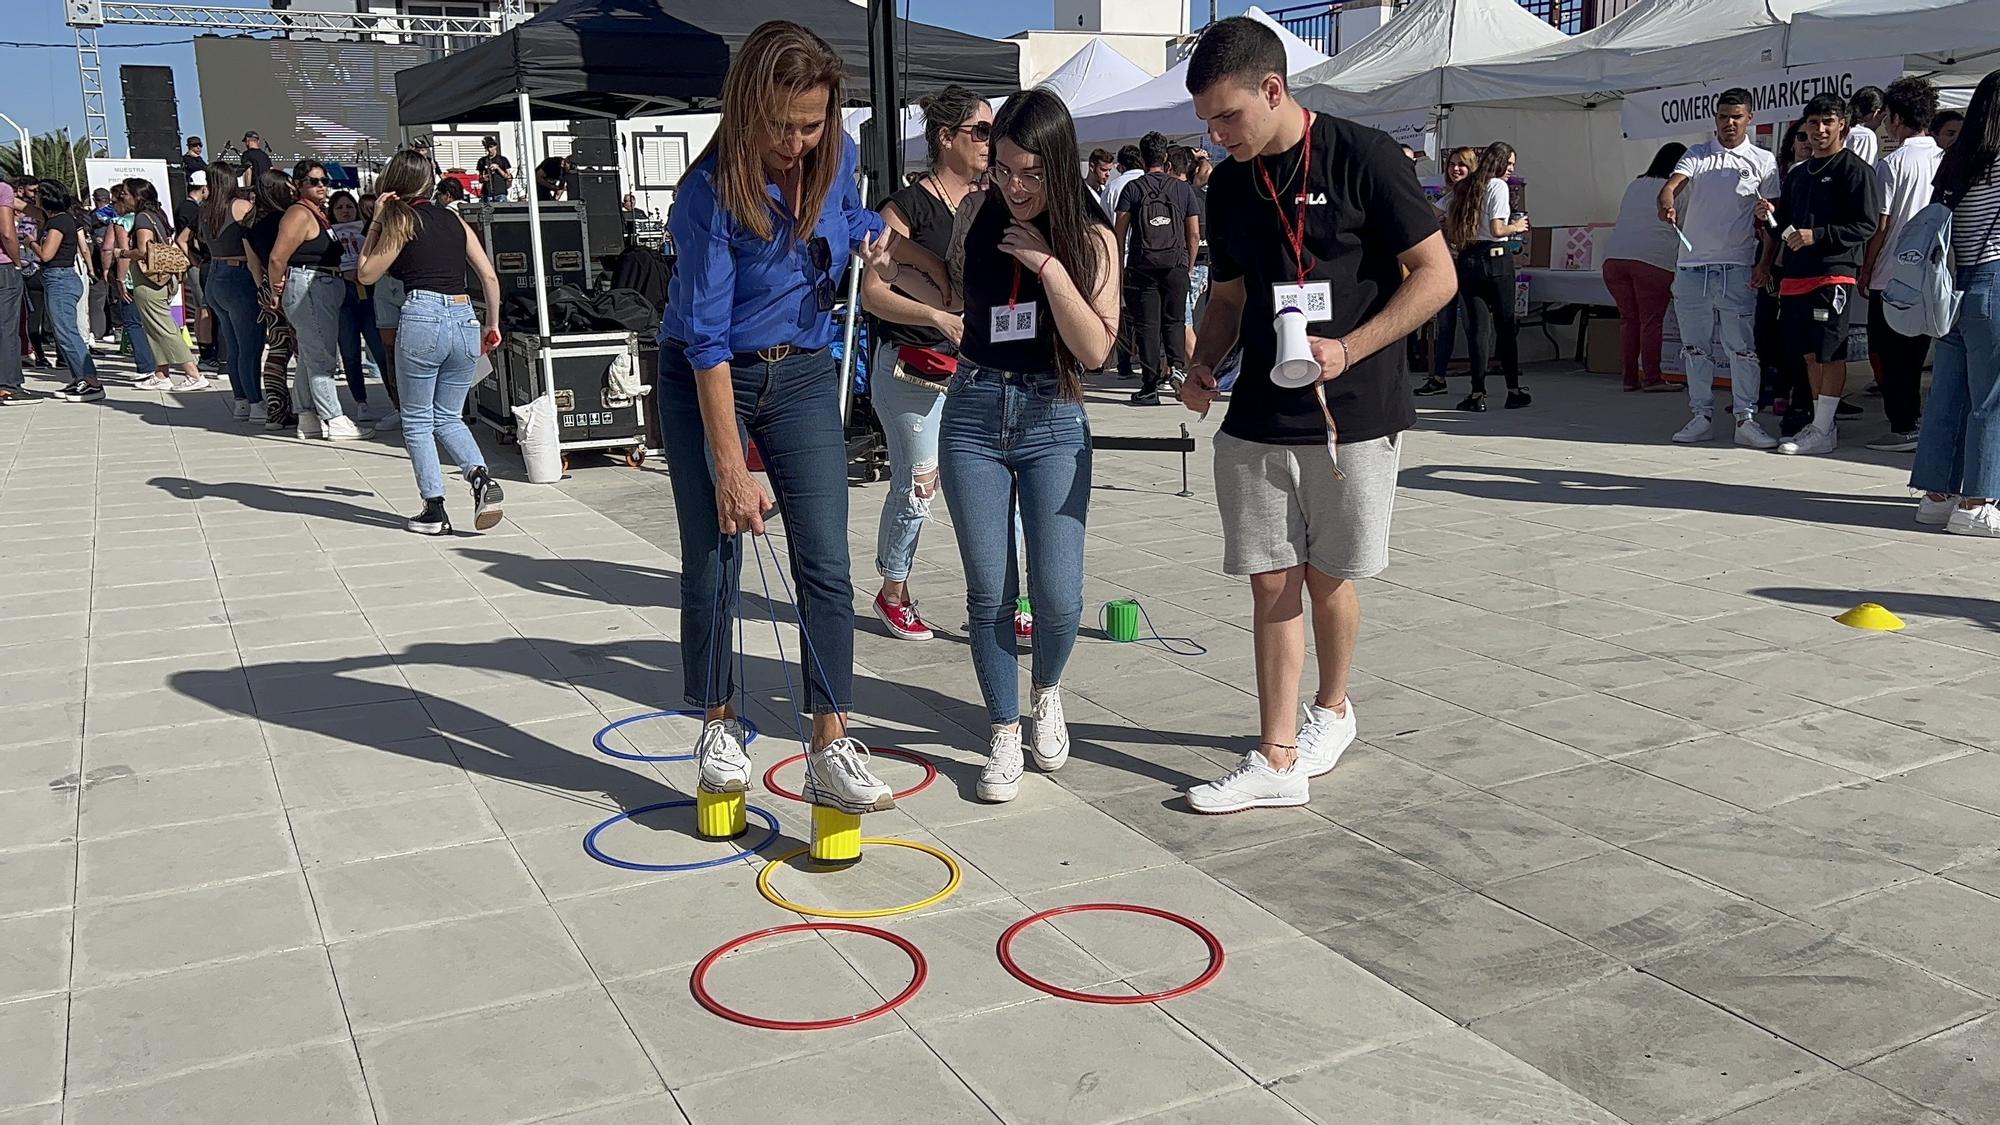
542	351
883	158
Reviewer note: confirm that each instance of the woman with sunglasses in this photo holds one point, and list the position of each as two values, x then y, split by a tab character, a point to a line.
304	276
1035	269
919	348
766	221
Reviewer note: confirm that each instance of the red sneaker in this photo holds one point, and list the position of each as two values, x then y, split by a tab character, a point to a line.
1024	626
902	620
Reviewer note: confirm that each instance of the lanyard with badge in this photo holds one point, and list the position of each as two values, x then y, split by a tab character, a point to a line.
1312	298
1015	321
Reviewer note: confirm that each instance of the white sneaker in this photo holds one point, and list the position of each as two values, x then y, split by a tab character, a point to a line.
1811	441
393	420
837	776
155	382
341	428
1699	429
240	410
1935	513
1750	435
1324	738
1253	784
1983	521
1000	780
198	383
719	755
308	424
1051	745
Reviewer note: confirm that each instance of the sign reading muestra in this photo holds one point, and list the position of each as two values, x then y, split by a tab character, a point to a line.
1779	96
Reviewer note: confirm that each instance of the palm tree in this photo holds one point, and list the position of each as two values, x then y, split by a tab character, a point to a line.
56	158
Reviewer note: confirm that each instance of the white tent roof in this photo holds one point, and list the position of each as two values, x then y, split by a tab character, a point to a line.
1164	104
1653	44
1400	65
1953	42
1093	74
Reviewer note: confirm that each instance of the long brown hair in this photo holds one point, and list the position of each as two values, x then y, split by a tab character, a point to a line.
408	175
1463	217
222	191
778	62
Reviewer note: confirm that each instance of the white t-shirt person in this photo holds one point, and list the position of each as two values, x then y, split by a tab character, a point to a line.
1495	208
1862	142
1717	207
1905	176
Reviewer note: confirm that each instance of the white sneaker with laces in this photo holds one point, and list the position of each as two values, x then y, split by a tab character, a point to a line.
1811	441
1982	522
1699	429
341	428
1324	738
1750	435
393	420
719	755
1000	780
308	424
1935	513
155	382
1051	744
837	776
200	383
1253	784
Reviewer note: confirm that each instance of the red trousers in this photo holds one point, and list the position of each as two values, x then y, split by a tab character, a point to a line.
1643	293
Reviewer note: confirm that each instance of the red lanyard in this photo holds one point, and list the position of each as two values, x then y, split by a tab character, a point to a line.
1014	294
1296	235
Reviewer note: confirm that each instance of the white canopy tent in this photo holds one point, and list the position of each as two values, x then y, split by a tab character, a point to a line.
1400	66
1163	104
1951	42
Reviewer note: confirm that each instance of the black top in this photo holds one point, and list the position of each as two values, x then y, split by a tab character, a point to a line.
551	169
190	164
491	184
434	258
930	228
228	242
1837	198
1364	208
72	235
262	235
322	249
258	161
187	217
1180	203
992	277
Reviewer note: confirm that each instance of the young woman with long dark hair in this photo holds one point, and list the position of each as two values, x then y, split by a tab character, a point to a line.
767	220
1639	264
919	344
430	249
274	199
1477	224
1035	269
63	287
356	327
304	275
232	290
1958	450
154	296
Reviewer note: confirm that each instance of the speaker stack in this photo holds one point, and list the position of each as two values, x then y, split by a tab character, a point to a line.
153	123
593	182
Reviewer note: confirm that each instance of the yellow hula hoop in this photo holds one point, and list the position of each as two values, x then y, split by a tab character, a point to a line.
957	876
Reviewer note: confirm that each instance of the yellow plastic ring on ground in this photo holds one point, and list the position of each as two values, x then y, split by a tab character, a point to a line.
957	876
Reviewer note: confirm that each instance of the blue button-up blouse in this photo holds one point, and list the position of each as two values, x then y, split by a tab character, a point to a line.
734	292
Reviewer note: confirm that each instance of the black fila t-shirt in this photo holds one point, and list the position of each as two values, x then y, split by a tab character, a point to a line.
1364	208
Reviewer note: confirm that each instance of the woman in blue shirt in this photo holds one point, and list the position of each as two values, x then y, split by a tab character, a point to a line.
765	223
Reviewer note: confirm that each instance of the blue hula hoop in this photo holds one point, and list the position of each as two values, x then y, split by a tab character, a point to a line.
597	740
596	853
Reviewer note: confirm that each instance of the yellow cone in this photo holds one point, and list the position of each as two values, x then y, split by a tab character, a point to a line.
1871	617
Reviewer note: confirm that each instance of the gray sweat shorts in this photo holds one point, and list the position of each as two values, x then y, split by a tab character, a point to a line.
1282	505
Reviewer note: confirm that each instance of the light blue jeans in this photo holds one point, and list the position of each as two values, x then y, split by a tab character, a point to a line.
437	347
910	415
1718	302
65	289
1013	440
1958	449
312	304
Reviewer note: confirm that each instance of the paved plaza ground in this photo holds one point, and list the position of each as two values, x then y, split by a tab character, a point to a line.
292	804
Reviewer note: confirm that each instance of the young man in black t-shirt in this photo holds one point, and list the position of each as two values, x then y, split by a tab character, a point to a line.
1324	216
496	173
256	161
1157	225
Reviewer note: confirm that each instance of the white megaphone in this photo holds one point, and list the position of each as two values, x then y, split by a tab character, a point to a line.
1296	366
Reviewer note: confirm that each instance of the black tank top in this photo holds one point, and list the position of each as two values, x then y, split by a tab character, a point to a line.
320	250
434	258
262	236
994	279
930	227
228	240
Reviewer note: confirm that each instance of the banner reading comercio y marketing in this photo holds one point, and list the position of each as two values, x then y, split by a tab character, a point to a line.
1779	95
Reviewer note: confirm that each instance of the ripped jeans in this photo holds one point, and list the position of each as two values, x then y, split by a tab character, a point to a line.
910	415
1718	303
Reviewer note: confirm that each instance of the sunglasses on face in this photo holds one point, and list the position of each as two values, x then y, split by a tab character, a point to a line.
318	181
982	131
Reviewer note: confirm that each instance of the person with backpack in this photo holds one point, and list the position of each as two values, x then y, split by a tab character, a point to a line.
1159	224
1958	450
1906	180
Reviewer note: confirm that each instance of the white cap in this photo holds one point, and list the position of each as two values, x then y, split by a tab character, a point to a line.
197	179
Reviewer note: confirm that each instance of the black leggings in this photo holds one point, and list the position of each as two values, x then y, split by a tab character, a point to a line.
1486	282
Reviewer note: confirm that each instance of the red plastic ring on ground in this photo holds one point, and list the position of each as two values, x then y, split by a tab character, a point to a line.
930	772
699	986
1215	955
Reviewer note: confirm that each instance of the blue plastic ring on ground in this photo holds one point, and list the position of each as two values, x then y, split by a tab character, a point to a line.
590	840
597	740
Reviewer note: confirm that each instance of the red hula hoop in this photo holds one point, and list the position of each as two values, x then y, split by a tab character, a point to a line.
930	772
1215	955
698	983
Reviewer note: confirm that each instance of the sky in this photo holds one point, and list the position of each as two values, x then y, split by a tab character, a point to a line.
42	93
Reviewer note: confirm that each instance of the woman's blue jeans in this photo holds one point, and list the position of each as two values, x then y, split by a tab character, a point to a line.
64	290
910	415
312	304
357	327
436	354
232	294
792	410
1958	449
1013	440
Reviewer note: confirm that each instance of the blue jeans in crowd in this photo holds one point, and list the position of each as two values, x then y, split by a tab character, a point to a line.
1718	302
312	305
435	358
792	410
64	289
135	332
1958	449
1013	439
357	327
232	296
909	416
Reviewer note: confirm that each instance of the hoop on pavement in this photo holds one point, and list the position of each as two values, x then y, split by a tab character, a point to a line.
1215	955
597	740
698	982
950	887
930	772
590	840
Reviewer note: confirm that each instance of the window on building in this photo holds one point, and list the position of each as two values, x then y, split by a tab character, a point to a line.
661	159
1566	16
443	43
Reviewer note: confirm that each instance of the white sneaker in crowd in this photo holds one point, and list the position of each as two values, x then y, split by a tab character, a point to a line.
719	755
1000	780
1699	429
1253	784
1051	743
341	428
155	382
240	409
393	420
308	424
1324	737
1750	435
1983	521
837	776
1811	441
198	383
1935	513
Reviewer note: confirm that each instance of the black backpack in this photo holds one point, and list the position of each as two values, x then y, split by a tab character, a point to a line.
1159	229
